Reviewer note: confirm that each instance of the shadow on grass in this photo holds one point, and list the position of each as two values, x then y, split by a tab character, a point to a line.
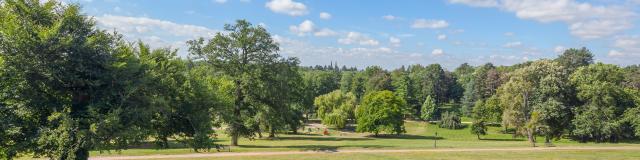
323	138
502	140
316	148
405	136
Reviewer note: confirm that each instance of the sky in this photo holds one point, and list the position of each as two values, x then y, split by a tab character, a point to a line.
391	33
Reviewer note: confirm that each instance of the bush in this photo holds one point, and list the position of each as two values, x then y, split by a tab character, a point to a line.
450	120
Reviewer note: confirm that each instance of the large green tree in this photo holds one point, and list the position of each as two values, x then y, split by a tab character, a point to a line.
336	108
523	97
600	89
380	111
72	87
240	52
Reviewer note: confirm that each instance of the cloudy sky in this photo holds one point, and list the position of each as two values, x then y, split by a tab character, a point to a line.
391	33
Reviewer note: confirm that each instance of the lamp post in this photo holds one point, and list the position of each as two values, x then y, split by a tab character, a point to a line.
435	139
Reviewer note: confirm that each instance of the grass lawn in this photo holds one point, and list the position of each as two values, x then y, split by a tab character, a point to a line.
419	135
503	155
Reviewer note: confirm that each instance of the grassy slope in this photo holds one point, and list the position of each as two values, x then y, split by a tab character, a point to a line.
419	135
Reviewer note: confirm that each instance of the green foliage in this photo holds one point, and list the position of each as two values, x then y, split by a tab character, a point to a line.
243	52
450	120
319	82
336	108
429	109
377	79
573	58
600	89
380	112
528	87
478	128
631	117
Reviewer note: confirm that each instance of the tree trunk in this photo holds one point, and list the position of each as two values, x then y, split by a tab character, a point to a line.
272	132
531	138
79	102
478	136
236	125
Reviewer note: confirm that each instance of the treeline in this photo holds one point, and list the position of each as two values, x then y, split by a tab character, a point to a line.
67	87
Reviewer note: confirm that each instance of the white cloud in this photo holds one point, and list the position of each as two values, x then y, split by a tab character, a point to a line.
626	46
288	7
358	38
437	52
220	1
512	44
442	37
584	20
303	28
325	15
559	49
158	33
137	25
394	41
389	17
432	24
509	34
615	53
325	32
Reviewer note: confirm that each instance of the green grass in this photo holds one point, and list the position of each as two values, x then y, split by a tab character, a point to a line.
505	155
419	135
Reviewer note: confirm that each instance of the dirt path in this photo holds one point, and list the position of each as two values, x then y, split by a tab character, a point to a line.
202	155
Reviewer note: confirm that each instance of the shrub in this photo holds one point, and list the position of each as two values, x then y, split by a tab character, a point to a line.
450	120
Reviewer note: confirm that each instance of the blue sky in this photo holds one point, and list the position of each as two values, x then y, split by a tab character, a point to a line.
391	33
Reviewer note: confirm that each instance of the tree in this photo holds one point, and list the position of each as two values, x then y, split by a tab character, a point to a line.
573	59
478	128
600	89
278	96
240	52
523	94
70	83
336	108
429	109
450	120
401	87
380	111
377	79
316	83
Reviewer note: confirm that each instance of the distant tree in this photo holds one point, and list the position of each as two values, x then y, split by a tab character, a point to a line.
573	58
632	76
316	83
402	87
377	79
240	52
346	80
429	109
380	111
336	108
478	128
